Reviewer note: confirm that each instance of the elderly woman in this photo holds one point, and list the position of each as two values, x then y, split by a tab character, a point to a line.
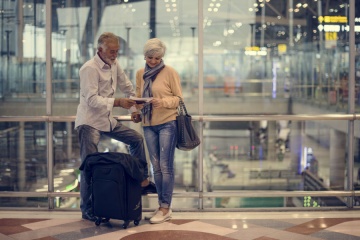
161	83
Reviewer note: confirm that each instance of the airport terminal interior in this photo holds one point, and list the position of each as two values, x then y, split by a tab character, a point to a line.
272	87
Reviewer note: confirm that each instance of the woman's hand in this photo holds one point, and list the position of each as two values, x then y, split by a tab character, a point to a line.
157	102
139	106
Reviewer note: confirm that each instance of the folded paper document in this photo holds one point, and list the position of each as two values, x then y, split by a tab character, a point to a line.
140	100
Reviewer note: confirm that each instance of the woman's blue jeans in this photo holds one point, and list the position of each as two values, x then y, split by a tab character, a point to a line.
161	142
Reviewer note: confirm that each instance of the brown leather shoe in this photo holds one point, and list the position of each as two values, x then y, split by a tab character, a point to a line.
88	216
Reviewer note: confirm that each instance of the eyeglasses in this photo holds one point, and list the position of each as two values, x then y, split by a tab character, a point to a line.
114	52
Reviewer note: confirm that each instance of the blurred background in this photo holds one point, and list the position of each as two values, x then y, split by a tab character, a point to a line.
242	63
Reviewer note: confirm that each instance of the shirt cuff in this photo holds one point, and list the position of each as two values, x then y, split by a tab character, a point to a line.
110	104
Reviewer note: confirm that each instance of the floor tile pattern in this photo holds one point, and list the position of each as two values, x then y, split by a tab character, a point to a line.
224	227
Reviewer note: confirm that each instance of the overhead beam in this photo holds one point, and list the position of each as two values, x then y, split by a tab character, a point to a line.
274	9
282	21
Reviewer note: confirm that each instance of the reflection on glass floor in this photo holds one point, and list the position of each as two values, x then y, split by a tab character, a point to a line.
316	225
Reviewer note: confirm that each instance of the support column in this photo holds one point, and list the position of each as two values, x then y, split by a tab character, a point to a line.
296	146
271	141
21	179
94	23
337	159
152	18
254	140
19	40
69	130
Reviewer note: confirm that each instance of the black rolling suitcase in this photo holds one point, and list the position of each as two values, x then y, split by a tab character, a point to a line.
116	187
115	195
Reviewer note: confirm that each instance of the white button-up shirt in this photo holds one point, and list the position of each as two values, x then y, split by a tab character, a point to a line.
98	83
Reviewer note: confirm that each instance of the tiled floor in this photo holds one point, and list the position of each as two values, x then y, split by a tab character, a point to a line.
337	225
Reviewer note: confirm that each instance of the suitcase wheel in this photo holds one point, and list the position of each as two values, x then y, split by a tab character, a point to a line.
98	221
136	222
101	220
125	224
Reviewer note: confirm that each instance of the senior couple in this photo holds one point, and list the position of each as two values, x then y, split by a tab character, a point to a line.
99	79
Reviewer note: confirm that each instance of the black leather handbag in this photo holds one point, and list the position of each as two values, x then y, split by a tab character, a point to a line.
187	137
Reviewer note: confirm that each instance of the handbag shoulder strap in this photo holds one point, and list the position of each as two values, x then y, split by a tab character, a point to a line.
182	109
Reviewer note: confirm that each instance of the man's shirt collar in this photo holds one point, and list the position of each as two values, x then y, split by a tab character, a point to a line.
101	62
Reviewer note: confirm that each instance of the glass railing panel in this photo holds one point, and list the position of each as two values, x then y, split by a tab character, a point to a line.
275	156
23	156
238	157
68	203
66	164
24	202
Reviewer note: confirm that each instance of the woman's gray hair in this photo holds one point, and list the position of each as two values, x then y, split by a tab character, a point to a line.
106	36
154	46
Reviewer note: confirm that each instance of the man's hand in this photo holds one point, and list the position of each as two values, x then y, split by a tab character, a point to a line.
136	117
124	103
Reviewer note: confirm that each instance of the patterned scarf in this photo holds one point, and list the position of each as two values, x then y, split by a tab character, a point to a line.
149	76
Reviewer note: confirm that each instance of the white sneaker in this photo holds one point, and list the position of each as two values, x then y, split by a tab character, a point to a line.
160	217
147	217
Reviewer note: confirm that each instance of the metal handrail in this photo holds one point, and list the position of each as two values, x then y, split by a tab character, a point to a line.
204	118
240	194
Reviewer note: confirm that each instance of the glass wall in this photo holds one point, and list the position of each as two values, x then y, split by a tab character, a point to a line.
268	83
